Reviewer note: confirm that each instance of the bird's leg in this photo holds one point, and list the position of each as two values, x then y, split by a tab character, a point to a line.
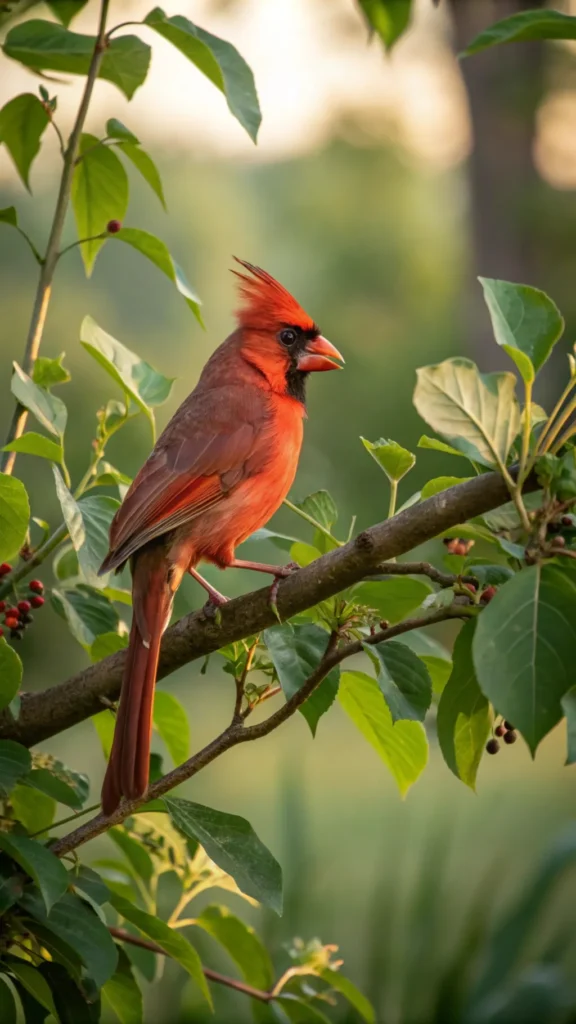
215	598
280	572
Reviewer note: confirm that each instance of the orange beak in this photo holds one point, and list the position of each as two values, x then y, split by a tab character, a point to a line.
319	354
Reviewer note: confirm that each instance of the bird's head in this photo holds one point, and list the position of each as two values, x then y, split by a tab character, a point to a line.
278	337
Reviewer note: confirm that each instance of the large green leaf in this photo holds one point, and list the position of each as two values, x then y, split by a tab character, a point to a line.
171	722
14	516
391	457
87	612
137	378
523	648
77	925
174	944
321	507
122	993
88	522
10	673
523	27
393	598
37	444
46	46
433	654
11	886
296	651
241	943
99	195
525	321
15	761
34	983
389	18
144	164
43	867
402	746
435	445
74	1000
59	781
441	483
157	252
8	1011
403	679
218	60
22	123
476	413
346	988
107	643
137	856
35	810
66	10
463	713
231	842
49	410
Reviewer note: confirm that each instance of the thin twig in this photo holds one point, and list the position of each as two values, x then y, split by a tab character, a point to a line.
420	569
44	289
80	241
220	979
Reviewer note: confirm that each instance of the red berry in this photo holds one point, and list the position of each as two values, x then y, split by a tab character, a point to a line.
487	594
24	607
492	747
12	613
10	622
37	602
2	606
37	586
510	737
470	586
499	730
113	227
5	567
384	624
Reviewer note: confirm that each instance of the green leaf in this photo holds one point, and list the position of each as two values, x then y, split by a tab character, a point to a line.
218	60
46	870
88	522
11	886
230	841
280	540
65	10
108	476
321	506
99	195
73	998
144	164
59	789
107	643
15	761
8	1012
9	216
506	517
346	988
137	378
172	723
464	717
31	979
295	652
10	673
104	725
115	129
568	703
403	679
87	611
388	18
441	483
14	516
138	858
402	747
157	252
393	598
77	925
241	943
47	373
49	410
438	446
525	321
523	648
122	994
391	457
23	120
434	655
304	554
299	1010
36	444
45	46
174	944
523	27
490	575
477	413
34	809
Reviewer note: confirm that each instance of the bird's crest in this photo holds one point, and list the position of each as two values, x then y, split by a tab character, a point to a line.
266	303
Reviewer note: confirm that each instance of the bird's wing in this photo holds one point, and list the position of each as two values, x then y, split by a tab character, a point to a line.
216	439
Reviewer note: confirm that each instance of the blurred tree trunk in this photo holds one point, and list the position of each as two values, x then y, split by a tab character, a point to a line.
504	87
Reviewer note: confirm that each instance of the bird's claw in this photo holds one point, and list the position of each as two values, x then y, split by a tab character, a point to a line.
283	572
213	606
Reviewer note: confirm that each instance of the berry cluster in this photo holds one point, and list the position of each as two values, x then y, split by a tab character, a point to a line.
457	545
17	617
508	733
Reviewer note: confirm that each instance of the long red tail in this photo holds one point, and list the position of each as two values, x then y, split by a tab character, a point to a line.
128	767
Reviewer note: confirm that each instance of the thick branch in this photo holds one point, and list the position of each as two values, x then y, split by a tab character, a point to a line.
220	979
60	707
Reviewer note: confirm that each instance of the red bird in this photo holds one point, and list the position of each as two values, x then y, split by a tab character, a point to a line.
219	471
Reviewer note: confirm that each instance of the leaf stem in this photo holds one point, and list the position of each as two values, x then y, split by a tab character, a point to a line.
393	498
80	241
39	259
310	519
44	288
543	440
64	821
528	385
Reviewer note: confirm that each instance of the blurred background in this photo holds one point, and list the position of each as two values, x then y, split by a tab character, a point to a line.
379	189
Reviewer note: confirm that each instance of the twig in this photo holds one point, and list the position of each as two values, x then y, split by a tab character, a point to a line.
420	569
220	979
44	289
237	716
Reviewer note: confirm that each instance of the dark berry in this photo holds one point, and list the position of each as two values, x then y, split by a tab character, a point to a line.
499	730
566	521
384	624
10	622
446	541
553	527
24	607
113	227
15	634
37	602
5	568
492	747
510	736
26	620
487	594
509	726
37	586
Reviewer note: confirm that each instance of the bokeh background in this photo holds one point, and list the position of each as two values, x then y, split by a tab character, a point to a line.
380	187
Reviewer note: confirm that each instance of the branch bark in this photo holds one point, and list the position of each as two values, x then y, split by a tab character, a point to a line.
196	635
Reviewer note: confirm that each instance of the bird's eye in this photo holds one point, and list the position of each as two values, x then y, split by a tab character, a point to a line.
287	336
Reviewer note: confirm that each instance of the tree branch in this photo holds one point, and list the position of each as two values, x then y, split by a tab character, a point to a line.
60	707
420	569
220	979
44	289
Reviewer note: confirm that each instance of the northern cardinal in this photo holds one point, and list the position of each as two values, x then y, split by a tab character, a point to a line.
219	471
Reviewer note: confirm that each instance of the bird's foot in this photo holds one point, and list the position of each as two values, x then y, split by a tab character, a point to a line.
212	608
283	572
